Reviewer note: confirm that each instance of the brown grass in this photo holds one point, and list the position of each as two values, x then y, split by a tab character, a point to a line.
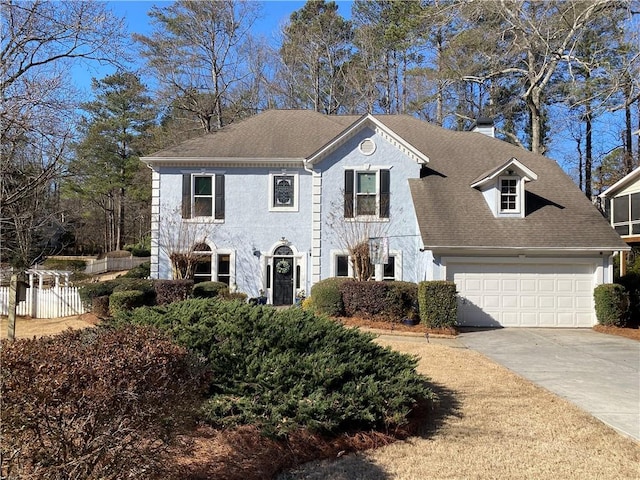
494	425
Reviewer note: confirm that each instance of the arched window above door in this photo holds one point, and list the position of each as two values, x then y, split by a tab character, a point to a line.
282	251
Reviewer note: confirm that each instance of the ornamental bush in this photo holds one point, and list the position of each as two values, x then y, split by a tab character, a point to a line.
286	369
125	300
612	304
367	299
327	296
169	291
94	403
438	303
209	289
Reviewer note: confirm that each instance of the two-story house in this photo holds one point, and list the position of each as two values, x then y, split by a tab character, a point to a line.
277	201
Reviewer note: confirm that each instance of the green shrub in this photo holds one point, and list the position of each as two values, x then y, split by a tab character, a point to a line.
125	300
209	289
286	369
94	403
170	291
327	297
438	303
631	282
90	291
402	301
145	286
612	304
141	271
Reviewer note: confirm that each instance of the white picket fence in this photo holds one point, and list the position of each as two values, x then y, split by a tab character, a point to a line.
113	264
59	301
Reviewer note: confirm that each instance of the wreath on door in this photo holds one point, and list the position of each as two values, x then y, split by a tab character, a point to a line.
283	267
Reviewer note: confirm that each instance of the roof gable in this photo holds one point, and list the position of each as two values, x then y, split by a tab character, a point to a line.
512	165
378	127
622	184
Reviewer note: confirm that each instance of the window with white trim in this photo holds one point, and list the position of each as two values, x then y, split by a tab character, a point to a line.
626	214
211	265
283	192
366	193
509	195
342	266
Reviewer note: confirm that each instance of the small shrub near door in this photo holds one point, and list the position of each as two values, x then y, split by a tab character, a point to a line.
95	403
438	304
327	296
612	304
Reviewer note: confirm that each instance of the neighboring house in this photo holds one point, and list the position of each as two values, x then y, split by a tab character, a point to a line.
268	202
621	202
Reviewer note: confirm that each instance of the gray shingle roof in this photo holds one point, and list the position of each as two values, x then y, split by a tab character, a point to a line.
449	212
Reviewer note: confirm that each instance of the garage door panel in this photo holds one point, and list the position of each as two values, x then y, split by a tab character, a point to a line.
528	301
546	301
544	294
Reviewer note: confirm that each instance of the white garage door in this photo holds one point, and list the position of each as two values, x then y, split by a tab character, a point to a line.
524	295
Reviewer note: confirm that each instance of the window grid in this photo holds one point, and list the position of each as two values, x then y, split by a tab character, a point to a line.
509	194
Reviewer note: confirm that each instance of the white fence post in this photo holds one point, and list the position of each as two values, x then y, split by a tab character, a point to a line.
47	302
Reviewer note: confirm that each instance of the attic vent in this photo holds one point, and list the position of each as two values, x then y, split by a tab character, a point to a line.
367	146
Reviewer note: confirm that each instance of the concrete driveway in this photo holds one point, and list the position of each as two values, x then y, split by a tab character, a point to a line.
599	373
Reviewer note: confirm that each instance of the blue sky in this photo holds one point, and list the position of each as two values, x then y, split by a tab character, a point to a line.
275	13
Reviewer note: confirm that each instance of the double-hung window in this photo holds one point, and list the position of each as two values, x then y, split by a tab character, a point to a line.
203	196
366	193
509	200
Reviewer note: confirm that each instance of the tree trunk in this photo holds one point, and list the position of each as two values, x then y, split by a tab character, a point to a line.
588	160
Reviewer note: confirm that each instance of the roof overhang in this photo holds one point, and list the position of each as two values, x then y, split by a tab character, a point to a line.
223	162
621	184
513	166
448	250
380	128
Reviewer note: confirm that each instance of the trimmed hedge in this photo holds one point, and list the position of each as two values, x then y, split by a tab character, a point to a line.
209	289
367	298
327	296
125	300
147	287
283	370
170	291
438	303
391	301
94	403
612	304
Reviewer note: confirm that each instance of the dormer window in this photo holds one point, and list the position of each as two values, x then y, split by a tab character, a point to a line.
503	188
509	202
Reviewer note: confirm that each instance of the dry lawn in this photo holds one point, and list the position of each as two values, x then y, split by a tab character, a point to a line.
27	327
491	424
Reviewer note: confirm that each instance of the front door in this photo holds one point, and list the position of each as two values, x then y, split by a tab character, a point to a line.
283	271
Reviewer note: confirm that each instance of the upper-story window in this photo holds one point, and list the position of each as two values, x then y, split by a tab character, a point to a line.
626	214
203	196
366	193
283	192
509	199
